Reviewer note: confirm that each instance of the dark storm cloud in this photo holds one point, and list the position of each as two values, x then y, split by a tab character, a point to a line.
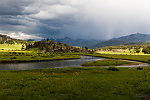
99	19
13	15
25	15
14	7
9	20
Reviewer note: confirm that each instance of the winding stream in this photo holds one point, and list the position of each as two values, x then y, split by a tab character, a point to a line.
54	64
49	64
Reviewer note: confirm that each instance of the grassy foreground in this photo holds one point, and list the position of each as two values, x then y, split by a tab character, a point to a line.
106	62
75	84
141	58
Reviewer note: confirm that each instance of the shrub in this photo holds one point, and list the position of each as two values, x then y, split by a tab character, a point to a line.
113	68
13	58
139	68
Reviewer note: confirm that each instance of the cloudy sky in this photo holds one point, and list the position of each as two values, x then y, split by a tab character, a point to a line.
89	19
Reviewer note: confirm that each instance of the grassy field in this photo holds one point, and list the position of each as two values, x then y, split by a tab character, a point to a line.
10	47
14	57
106	62
125	53
141	58
75	84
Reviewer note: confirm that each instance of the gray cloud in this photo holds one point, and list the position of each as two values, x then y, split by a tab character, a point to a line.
14	7
98	19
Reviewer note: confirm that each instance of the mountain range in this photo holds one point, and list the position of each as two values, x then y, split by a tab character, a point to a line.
77	42
137	38
129	39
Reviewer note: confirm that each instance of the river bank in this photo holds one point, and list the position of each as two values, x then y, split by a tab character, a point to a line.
139	58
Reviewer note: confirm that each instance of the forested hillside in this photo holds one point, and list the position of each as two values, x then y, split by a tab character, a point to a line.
54	47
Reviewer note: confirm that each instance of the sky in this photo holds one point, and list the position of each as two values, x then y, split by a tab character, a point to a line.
87	19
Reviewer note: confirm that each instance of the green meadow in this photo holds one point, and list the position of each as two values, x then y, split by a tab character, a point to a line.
10	46
27	56
75	84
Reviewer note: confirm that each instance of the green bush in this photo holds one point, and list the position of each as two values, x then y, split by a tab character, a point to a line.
139	68
113	68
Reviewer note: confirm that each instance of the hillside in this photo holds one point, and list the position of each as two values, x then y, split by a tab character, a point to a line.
130	39
54	47
8	43
144	47
145	43
4	39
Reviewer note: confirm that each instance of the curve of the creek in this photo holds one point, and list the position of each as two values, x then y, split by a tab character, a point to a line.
56	64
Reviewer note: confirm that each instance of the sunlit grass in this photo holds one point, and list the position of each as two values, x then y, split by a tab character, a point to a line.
10	47
122	53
